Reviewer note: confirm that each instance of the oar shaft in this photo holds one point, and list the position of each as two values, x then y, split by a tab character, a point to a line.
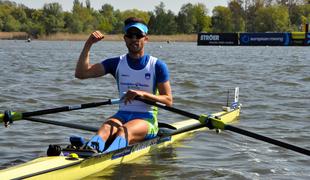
168	108
63	124
229	127
267	139
69	108
18	115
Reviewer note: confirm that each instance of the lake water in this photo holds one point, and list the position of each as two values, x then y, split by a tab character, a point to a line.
274	90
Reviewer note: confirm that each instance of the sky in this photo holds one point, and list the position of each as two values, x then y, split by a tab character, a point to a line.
146	5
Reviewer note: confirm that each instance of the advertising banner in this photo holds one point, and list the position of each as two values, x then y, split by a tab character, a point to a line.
265	39
217	39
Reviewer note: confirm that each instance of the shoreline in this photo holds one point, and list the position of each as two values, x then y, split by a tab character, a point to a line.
108	37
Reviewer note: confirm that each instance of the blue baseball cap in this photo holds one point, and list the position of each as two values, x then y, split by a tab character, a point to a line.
142	27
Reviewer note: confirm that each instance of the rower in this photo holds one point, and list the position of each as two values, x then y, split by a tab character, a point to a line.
136	74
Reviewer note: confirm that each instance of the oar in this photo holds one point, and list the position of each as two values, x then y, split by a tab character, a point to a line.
63	124
9	117
215	123
83	127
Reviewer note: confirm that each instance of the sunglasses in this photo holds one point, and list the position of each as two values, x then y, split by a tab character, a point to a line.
137	36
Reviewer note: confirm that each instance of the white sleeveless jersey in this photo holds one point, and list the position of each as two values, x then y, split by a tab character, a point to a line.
144	80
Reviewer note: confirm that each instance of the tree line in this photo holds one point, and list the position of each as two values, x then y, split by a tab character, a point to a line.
238	16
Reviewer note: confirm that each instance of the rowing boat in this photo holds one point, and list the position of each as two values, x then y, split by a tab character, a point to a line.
73	162
73	166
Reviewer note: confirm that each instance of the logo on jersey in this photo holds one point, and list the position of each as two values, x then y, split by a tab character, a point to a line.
147	76
125	75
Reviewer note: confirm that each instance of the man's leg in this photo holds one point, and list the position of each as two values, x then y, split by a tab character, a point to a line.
130	133
104	134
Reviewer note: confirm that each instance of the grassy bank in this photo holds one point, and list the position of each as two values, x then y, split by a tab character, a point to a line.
108	37
119	37
13	35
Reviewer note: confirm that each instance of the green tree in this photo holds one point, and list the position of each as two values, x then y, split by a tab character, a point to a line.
240	15
295	10
251	8
162	21
237	12
296	16
85	15
11	24
305	18
1	25
273	18
222	19
203	21
107	20
121	16
36	25
119	24
20	15
145	16
185	19
53	18
5	11
72	23
36	29
193	18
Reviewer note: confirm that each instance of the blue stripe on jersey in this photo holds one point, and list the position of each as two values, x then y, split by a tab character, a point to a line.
138	64
161	69
110	65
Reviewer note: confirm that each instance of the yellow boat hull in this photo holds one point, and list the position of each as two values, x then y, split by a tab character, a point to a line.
62	167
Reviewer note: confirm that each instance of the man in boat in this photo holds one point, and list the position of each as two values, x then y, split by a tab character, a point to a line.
136	74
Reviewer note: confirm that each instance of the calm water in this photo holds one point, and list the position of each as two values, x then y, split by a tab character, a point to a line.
274	90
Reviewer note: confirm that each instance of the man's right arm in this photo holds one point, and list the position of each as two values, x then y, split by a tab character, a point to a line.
84	69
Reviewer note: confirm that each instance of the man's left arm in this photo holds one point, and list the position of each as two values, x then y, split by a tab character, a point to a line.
165	95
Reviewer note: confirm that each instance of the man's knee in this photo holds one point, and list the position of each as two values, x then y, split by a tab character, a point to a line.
106	130
122	131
